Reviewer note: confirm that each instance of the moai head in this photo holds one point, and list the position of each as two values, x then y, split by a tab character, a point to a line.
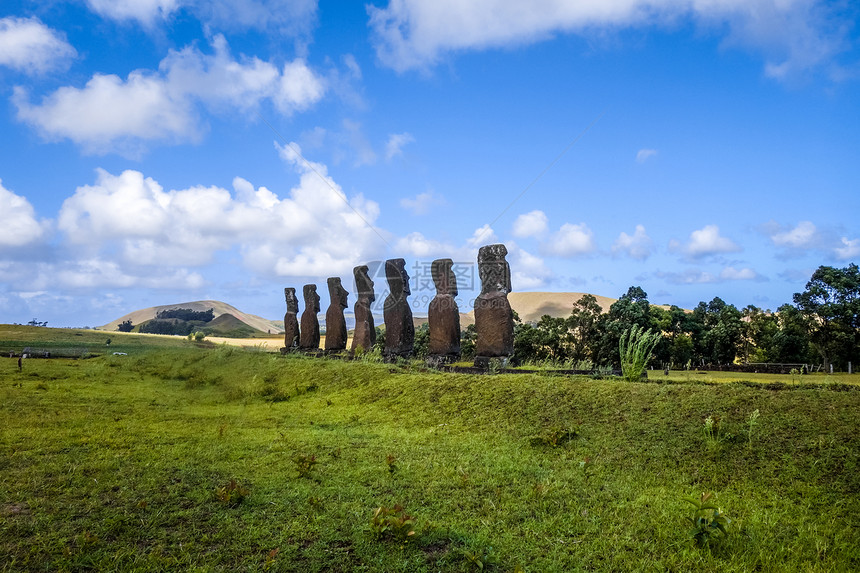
443	277
363	283
292	301
312	299
494	270
398	280
336	292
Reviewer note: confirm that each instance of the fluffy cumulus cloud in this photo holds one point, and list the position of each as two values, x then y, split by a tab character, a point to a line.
18	223
528	271
129	221
422	203
571	240
705	242
114	114
637	246
803	236
793	34
27	45
530	224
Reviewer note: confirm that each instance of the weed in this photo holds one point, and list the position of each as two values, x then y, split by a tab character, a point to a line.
392	523
232	493
708	523
305	464
478	559
635	347
389	460
752	422
713	436
270	558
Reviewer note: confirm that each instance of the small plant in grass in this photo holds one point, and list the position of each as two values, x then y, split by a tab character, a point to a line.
232	493
707	524
479	559
305	464
389	461
270	558
752	422
392	523
712	431
635	347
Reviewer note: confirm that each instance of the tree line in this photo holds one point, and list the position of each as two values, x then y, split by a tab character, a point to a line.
820	326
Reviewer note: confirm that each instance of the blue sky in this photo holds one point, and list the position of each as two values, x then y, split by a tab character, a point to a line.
160	151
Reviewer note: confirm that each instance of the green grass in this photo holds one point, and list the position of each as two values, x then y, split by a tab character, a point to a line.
125	463
76	342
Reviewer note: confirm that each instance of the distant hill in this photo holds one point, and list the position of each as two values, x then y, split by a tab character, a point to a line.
233	318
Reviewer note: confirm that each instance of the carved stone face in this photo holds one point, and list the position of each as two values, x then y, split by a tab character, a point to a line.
363	283
398	279
336	292
494	270
443	277
292	301
312	299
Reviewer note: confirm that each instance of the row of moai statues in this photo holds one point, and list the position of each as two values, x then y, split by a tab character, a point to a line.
493	315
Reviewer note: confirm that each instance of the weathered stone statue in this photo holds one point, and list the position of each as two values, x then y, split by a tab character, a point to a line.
335	325
399	329
494	319
291	322
364	336
444	315
310	334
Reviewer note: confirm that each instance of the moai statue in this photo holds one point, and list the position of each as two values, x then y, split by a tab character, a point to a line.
364	336
291	322
399	329
310	334
444	315
335	325
494	319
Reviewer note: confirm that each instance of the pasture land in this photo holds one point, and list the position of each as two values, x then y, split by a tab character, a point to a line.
224	459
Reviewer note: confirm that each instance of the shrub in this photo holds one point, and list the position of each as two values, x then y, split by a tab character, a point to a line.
635	347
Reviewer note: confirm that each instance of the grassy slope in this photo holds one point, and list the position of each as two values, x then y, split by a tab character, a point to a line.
76	342
111	464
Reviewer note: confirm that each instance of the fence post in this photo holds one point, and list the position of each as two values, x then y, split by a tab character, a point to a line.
849	367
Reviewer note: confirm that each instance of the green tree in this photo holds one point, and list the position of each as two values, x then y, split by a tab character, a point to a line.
629	310
583	332
831	305
125	326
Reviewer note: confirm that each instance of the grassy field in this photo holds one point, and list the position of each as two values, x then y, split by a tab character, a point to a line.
223	459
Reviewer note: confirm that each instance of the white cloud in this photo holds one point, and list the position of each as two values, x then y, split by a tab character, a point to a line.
644	154
527	271
422	203
804	235
570	241
530	224
111	114
18	223
705	242
792	35
129	221
417	245
27	45
396	143
744	274
850	249
144	11
482	236
638	246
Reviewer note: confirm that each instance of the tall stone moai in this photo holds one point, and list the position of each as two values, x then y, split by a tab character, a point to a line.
444	315
291	321
494	319
399	329
309	340
364	336
335	325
